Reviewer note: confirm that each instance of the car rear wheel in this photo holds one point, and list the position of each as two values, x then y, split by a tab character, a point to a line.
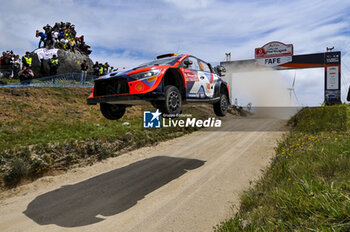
220	107
112	111
173	101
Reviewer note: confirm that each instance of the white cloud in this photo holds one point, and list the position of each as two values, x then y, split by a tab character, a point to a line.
190	4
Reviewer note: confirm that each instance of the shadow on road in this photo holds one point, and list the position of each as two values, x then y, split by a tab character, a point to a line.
108	194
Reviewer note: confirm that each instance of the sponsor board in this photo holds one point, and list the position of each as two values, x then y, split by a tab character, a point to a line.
332	58
274	61
274	49
332	78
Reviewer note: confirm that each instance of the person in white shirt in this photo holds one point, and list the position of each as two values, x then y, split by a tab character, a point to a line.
54	35
64	42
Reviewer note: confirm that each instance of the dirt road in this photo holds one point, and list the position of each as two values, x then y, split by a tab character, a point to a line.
186	184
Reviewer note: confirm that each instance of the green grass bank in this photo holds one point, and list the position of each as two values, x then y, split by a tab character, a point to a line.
48	130
307	186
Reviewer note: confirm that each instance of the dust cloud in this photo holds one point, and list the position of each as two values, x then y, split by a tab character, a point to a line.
267	91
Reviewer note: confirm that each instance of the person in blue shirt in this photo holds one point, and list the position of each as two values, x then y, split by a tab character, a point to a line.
42	36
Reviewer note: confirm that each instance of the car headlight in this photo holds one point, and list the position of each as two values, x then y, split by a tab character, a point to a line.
142	75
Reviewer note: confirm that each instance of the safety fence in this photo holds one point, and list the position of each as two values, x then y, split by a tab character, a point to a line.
59	80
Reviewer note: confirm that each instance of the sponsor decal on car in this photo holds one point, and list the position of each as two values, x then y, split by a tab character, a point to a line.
191	76
151	78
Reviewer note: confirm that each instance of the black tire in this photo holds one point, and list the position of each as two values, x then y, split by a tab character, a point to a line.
112	111
220	107
173	101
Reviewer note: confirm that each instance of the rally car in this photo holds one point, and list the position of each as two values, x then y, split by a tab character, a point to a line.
167	82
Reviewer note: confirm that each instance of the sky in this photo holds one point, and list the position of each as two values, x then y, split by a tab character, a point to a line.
127	33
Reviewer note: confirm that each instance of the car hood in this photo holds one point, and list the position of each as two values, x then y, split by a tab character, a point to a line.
116	74
124	73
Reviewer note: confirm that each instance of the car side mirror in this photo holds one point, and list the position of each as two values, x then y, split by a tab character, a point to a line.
220	70
188	63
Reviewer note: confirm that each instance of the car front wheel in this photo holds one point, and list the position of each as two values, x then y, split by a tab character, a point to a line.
173	101
220	107
112	111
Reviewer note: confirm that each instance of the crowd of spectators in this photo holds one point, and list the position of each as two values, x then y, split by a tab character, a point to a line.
62	35
10	66
102	69
11	63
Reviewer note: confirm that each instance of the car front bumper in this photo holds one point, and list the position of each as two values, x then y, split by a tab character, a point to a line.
134	99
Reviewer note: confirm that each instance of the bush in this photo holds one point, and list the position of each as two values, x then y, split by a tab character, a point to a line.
18	169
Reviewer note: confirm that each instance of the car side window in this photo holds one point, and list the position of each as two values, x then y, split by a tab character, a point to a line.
203	66
194	65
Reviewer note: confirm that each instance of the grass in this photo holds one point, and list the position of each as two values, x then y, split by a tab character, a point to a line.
10	80
49	129
307	187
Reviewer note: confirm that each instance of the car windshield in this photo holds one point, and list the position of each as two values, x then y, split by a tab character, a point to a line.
164	61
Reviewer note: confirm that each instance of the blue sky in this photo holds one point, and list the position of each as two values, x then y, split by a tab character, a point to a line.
126	33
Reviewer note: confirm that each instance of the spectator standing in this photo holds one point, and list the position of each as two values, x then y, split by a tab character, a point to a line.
60	33
5	59
105	68
62	25
25	76
64	42
12	60
42	36
16	66
54	63
84	68
67	33
71	44
100	71
74	33
27	61
56	26
48	33
96	68
81	39
54	36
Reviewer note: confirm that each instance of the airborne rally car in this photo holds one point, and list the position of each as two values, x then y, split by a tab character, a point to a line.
167	82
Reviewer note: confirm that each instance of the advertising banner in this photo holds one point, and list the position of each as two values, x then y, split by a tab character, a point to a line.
45	54
274	49
332	78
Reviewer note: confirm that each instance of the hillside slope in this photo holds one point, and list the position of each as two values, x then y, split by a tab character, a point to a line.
48	129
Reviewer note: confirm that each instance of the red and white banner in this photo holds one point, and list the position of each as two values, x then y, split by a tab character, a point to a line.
274	49
45	54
